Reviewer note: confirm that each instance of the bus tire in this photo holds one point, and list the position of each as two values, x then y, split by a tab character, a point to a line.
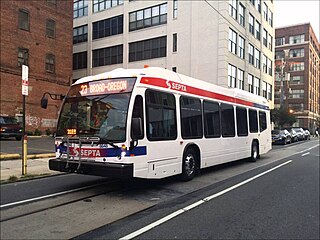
254	151
189	164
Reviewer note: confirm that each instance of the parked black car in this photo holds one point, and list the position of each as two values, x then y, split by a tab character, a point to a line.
280	136
10	128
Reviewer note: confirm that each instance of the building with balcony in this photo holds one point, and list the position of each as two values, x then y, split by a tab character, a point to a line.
37	34
297	69
229	43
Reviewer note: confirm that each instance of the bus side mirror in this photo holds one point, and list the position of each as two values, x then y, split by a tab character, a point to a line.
44	102
136	129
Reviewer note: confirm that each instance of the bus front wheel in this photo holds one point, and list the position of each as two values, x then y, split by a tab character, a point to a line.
254	151
189	165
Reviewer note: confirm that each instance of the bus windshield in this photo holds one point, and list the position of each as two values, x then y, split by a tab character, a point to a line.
88	115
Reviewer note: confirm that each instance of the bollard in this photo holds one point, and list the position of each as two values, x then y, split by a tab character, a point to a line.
24	157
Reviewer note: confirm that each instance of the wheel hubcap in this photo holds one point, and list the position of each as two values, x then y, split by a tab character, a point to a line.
189	164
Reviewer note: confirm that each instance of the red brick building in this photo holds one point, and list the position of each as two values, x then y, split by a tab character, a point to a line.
37	34
297	52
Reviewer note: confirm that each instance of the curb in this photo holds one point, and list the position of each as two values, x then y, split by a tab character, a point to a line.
31	156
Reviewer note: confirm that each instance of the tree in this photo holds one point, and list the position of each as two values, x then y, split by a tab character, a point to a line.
282	118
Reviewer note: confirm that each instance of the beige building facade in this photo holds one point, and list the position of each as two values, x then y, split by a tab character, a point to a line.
229	43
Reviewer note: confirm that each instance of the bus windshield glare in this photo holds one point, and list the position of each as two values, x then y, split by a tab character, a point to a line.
98	109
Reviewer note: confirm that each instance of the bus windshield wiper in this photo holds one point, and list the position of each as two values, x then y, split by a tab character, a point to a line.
104	140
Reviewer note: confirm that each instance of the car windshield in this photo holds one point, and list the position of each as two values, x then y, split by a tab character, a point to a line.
103	116
8	120
275	131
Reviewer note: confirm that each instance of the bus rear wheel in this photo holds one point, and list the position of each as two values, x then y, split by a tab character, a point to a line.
254	151
189	165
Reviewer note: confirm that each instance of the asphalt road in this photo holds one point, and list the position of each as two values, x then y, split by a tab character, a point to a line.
281	204
36	145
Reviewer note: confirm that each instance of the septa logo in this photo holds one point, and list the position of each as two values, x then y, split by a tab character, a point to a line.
85	152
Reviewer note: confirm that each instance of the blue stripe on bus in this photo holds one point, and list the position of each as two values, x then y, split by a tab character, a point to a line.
260	106
112	152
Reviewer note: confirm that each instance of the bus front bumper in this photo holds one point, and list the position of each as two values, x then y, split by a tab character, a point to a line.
116	170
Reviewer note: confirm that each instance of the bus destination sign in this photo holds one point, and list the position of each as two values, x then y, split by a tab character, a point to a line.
106	87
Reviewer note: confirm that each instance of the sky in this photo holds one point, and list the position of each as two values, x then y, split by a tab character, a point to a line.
292	12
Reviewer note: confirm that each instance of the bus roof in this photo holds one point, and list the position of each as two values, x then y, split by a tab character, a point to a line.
158	74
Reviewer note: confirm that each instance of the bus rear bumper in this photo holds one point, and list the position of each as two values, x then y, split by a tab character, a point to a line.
116	170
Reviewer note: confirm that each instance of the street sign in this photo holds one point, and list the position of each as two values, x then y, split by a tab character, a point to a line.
25	82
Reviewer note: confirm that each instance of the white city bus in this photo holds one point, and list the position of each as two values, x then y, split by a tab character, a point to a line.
155	123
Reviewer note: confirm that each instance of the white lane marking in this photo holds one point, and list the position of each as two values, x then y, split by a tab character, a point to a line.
308	149
305	154
48	196
185	209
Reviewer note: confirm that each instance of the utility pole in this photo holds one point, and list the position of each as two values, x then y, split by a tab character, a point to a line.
25	83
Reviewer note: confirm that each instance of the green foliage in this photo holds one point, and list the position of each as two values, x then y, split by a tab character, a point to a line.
29	133
13	178
48	132
282	118
37	132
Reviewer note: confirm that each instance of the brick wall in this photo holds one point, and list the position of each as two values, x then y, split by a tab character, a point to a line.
38	44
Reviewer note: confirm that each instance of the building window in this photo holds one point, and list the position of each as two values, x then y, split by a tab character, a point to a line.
23	56
250	83
265	37
232	41
240	76
241	47
24	20
297	93
233	8
99	5
264	89
256	86
211	114
174	69
80	34
50	63
242	14
296	79
265	12
51	28
232	76
258	5
107	56
296	39
280	41
80	8
148	49
258	29
79	60
279	54
175	8
257	58
161	116
270	40
296	66
175	43
296	52
269	66
227	120
296	107
148	17
270	18
251	54
107	27
191	118
251	24
269	91
264	64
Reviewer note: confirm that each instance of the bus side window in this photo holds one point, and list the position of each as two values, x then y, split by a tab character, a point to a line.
242	121
138	112
262	121
253	121
227	120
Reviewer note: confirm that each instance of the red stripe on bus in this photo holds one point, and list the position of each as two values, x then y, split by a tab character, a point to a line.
159	82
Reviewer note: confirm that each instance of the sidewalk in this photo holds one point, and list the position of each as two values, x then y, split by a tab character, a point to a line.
35	167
